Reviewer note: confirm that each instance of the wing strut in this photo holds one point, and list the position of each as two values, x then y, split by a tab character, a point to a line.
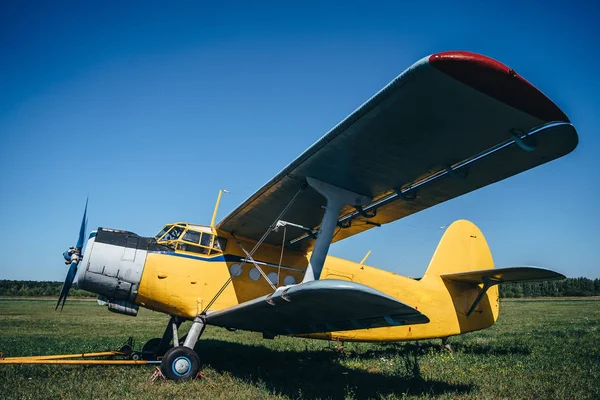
274	224
249	257
336	199
487	283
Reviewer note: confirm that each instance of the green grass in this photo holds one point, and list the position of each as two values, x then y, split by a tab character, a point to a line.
538	349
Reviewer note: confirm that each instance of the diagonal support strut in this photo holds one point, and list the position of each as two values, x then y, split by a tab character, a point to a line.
487	283
336	198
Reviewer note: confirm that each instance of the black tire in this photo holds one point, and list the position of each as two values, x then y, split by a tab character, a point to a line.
180	363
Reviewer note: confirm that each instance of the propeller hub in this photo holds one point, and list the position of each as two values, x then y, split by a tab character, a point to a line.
72	255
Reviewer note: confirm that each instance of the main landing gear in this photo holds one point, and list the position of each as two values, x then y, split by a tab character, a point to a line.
179	362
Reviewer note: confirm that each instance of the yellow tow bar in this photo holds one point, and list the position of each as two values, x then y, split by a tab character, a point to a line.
77	359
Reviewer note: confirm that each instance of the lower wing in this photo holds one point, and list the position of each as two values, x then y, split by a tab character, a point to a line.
318	306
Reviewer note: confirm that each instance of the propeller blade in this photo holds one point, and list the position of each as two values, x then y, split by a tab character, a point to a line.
75	255
64	292
82	228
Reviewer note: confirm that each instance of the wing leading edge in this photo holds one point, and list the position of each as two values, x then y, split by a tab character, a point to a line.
318	306
450	124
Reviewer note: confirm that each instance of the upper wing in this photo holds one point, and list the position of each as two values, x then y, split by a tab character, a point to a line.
504	275
319	306
450	124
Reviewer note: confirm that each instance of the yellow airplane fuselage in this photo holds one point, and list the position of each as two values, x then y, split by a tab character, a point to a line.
183	284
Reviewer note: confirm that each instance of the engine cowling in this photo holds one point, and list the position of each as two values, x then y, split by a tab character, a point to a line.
113	265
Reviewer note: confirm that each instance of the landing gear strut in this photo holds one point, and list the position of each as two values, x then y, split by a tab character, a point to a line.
181	361
157	347
446	345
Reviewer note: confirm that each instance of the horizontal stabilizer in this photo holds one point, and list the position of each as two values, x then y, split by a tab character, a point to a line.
504	275
319	306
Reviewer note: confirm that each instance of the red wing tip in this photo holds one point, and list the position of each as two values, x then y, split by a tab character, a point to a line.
472	58
498	81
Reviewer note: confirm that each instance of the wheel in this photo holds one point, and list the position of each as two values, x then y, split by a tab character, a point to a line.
126	349
180	363
151	349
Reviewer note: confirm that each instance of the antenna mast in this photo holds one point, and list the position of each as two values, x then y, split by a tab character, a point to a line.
214	216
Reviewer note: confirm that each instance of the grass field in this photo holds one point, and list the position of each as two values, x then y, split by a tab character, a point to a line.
537	349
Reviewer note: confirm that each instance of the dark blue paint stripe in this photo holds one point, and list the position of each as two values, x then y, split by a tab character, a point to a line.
209	259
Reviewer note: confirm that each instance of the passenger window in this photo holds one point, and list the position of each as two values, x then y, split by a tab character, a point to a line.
206	240
192	236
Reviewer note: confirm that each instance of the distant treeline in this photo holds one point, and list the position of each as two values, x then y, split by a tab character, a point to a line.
566	287
37	289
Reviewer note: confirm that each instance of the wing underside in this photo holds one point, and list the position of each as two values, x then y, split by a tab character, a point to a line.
450	124
318	306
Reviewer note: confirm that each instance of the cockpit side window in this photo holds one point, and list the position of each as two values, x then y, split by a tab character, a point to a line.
206	240
191	248
192	236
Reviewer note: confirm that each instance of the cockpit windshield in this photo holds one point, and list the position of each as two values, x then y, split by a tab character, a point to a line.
162	232
174	233
191	238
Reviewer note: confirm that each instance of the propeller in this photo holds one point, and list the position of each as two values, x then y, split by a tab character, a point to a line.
72	257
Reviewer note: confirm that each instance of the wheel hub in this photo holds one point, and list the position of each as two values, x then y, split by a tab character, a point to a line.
181	365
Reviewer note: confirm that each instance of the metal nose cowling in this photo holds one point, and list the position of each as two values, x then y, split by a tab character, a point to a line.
113	266
72	256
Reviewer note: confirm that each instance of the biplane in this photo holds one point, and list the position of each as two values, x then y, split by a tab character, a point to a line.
451	123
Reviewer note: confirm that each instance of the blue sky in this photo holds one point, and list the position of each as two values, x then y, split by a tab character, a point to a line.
152	109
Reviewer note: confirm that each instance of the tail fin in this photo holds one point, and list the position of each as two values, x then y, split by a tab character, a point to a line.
463	263
463	248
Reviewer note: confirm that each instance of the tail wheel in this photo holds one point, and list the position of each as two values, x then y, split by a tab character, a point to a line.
180	363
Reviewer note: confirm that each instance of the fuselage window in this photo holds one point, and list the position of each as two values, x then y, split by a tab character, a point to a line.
192	236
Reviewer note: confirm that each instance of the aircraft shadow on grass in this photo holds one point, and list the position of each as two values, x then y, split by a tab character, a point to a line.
421	348
318	374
